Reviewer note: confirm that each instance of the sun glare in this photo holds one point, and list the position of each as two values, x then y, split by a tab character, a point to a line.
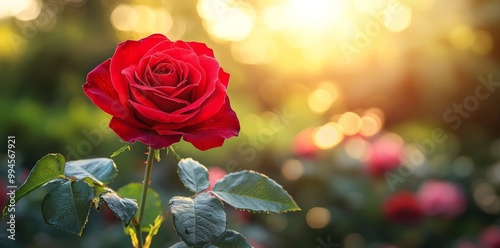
318	15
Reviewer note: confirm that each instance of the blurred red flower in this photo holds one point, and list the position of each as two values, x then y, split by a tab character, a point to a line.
402	207
490	237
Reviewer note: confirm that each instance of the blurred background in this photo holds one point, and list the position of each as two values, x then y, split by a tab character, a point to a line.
379	117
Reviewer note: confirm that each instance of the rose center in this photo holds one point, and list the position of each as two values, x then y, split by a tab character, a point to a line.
163	68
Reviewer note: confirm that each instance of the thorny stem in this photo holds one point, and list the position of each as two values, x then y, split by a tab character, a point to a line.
145	186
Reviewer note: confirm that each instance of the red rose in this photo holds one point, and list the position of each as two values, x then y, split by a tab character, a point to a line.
159	91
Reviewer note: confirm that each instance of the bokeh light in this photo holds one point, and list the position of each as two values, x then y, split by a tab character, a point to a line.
397	16
328	136
318	217
351	123
358	148
322	98
141	19
292	169
486	198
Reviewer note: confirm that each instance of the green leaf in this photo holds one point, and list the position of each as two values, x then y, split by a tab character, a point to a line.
98	188
193	175
253	191
67	206
153	206
117	152
123	208
230	239
154	230
198	221
101	170
48	168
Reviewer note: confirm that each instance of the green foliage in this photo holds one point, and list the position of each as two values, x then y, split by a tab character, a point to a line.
153	206
199	220
67	206
48	168
229	239
123	208
101	170
254	191
193	175
82	185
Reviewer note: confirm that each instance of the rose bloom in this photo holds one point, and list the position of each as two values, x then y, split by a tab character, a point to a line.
441	198
402	208
159	91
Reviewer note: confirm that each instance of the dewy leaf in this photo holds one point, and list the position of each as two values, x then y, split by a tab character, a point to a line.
48	168
230	239
198	221
153	206
154	230
193	175
99	169
253	191
123	208
67	206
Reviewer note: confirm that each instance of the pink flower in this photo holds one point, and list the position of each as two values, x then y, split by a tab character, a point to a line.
385	155
441	198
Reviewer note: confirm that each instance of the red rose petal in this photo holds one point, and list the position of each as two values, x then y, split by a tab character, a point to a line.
201	49
128	53
213	132
131	134
224	77
157	115
101	92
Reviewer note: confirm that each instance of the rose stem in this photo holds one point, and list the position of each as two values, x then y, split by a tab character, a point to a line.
145	186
